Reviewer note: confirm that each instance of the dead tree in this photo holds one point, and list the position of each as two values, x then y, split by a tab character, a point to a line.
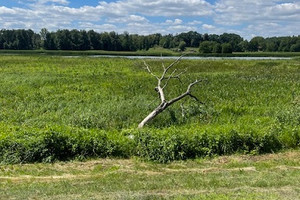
162	82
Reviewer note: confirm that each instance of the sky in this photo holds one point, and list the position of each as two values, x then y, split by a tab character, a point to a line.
248	18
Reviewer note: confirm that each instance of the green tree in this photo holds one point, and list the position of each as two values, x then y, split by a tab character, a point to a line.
115	41
232	39
295	47
226	48
257	44
43	33
106	41
50	41
85	41
217	48
64	41
95	40
271	46
244	46
165	41
205	47
182	46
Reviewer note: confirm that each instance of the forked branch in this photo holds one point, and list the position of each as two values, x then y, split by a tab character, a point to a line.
161	86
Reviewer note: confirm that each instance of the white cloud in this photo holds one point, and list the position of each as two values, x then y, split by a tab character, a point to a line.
207	26
180	28
159	7
128	19
175	22
195	22
228	12
63	2
7	11
97	27
273	29
247	18
259	17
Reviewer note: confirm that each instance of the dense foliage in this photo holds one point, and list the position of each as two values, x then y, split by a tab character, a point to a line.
112	41
60	108
56	143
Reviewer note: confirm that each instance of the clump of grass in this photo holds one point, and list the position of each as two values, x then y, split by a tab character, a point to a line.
48	145
53	144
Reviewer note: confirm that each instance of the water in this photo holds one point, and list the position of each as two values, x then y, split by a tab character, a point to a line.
190	58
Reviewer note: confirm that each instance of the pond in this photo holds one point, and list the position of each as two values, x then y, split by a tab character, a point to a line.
190	58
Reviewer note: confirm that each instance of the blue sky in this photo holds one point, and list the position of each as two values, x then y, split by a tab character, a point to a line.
247	18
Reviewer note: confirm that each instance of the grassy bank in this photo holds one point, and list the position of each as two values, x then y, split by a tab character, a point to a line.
56	108
150	52
270	176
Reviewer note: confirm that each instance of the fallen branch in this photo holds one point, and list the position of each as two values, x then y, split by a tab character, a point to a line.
160	89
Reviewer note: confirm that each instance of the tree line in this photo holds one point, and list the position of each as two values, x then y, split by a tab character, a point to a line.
111	41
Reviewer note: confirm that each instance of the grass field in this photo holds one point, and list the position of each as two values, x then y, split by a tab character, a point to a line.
270	177
58	108
56	112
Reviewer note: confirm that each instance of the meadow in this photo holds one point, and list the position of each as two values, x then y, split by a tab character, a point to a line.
63	108
245	177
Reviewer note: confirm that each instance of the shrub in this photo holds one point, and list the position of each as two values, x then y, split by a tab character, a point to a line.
62	144
150	144
172	144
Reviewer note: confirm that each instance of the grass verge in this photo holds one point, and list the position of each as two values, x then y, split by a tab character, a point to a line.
269	176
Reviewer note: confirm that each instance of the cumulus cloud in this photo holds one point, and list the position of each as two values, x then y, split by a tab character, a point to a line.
128	19
260	17
159	7
195	22
175	22
97	27
228	12
181	28
63	2
208	26
247	18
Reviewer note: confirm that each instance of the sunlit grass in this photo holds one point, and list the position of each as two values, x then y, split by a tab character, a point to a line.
270	176
108	97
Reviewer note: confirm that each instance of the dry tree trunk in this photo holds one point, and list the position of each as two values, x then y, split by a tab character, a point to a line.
160	89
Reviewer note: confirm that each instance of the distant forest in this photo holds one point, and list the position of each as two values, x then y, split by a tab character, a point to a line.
111	41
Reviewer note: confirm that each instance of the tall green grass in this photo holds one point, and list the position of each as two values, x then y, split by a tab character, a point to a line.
56	108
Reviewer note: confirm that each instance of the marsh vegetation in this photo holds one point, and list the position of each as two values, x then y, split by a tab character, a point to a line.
56	108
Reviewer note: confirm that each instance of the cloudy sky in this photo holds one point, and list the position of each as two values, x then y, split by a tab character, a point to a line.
247	18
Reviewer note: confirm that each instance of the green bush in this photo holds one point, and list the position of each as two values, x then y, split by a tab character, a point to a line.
150	144
62	144
172	144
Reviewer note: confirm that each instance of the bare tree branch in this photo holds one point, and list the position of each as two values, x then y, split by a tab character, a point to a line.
160	89
171	65
171	76
149	70
194	97
188	92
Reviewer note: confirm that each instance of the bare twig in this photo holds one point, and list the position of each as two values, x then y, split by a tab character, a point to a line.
171	65
171	76
149	70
